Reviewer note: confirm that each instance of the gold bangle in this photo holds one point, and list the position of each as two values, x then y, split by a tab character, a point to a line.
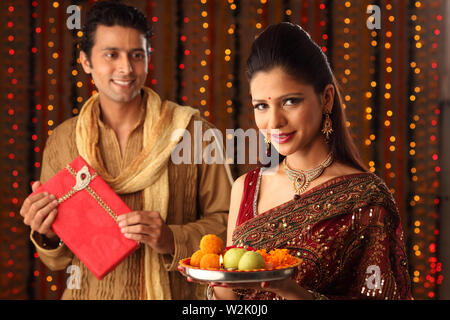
317	295
210	293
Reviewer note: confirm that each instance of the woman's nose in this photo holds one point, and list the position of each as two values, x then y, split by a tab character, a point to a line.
277	119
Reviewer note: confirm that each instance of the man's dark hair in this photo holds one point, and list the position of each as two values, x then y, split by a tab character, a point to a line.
112	13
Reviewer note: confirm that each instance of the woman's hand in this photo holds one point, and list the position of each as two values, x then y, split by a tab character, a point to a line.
286	288
224	294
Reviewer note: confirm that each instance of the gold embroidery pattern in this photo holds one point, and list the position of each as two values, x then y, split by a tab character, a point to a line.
85	185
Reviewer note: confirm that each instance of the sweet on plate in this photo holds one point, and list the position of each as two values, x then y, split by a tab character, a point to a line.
213	256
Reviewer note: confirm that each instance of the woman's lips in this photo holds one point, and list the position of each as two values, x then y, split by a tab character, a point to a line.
282	137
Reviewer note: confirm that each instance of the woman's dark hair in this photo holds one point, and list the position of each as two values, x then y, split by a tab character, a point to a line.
289	47
112	13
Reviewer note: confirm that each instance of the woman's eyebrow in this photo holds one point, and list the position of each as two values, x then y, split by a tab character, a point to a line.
278	98
291	94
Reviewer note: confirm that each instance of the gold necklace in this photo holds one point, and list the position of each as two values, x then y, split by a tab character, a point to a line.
302	178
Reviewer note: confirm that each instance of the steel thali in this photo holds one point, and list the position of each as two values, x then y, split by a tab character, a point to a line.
237	276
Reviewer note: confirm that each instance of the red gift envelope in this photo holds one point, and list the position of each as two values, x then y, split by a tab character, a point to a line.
87	214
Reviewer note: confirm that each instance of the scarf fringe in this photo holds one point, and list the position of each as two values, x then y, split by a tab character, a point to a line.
148	172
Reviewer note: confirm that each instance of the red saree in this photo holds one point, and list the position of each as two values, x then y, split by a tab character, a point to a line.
347	231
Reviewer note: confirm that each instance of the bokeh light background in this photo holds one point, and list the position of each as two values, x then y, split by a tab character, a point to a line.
390	80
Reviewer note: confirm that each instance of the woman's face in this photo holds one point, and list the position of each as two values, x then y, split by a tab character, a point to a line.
290	111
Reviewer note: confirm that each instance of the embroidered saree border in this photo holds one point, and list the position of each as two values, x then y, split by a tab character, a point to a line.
342	197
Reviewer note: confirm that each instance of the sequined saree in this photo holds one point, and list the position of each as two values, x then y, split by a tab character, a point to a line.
347	232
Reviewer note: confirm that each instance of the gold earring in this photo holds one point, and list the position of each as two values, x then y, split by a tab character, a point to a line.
267	141
327	129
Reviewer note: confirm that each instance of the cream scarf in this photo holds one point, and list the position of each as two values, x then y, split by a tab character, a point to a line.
147	172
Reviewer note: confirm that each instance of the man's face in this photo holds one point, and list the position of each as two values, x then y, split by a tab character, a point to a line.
118	64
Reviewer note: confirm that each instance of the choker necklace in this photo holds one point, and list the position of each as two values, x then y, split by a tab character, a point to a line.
302	178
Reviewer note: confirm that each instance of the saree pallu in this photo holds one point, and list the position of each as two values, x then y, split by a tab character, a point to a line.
347	232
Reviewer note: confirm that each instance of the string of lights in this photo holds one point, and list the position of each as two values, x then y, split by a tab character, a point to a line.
424	169
14	97
389	80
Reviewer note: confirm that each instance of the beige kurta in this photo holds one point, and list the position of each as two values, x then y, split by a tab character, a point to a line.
198	205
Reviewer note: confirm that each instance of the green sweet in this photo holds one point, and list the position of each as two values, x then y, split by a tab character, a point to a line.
251	260
232	257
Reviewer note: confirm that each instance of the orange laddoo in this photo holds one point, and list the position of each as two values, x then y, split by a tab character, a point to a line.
210	261
277	258
211	243
281	258
196	257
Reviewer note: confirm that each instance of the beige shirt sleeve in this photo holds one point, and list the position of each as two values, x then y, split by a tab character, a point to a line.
54	258
214	183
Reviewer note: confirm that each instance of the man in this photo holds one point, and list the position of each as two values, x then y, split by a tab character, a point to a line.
124	134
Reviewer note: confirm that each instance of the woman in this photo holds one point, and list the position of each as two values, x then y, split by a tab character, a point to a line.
320	202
